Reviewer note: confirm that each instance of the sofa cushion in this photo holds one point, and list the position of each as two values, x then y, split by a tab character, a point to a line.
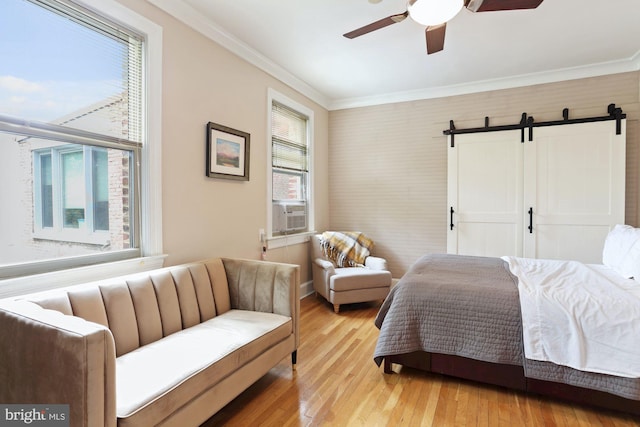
218	278
171	371
121	316
204	291
147	311
186	296
167	301
87	303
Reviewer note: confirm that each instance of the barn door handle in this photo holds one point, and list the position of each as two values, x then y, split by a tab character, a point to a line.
530	221
451	211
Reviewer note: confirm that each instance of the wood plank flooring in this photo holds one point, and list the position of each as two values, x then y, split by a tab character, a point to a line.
338	384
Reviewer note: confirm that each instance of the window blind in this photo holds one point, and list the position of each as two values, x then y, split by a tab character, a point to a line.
289	133
66	64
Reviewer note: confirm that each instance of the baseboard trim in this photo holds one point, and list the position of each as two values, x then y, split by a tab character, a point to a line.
306	289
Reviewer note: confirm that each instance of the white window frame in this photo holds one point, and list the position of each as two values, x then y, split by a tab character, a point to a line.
150	176
281	241
58	231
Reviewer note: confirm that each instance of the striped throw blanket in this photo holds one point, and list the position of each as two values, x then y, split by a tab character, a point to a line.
346	248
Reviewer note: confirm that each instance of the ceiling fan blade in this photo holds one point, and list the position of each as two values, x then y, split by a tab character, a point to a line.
496	5
393	19
435	38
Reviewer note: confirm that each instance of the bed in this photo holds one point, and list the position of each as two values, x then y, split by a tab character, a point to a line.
465	316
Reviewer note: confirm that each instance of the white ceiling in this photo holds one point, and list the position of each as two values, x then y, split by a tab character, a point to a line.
301	43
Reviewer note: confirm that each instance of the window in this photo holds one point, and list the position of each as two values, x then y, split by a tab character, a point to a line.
289	167
74	186
73	137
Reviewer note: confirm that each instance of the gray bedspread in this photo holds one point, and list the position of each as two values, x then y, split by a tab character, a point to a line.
464	306
469	306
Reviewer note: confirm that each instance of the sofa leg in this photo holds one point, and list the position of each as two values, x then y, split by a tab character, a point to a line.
336	308
294	359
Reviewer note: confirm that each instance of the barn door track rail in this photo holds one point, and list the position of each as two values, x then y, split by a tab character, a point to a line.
528	123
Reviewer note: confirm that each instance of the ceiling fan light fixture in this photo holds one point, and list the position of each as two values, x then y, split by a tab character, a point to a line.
433	12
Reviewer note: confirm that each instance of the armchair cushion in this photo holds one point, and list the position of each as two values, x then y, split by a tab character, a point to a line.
347	279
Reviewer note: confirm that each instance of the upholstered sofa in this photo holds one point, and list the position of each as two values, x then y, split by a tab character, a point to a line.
166	347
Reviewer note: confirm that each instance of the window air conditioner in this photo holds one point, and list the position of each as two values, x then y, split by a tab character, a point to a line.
289	217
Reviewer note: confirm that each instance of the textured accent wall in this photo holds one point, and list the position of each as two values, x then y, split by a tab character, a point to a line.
388	163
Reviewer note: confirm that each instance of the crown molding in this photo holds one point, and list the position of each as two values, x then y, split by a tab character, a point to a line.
635	59
189	16
594	70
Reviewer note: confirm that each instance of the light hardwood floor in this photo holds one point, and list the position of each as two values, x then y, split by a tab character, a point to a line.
338	384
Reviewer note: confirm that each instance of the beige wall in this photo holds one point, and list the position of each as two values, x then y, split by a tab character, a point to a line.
202	82
388	163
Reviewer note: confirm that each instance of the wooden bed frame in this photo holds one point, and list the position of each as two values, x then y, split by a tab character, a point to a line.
509	376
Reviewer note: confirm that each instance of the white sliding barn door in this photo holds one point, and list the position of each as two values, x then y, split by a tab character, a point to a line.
485	181
574	182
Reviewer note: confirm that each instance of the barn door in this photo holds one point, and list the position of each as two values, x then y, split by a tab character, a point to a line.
485	199
574	185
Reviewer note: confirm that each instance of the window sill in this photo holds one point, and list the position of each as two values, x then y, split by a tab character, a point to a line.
292	239
58	279
99	238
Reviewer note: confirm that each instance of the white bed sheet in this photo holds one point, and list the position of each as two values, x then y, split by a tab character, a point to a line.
585	316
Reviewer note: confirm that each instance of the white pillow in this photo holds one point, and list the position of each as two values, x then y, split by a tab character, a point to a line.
621	251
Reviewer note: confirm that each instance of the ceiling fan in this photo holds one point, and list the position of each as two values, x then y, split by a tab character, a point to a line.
434	14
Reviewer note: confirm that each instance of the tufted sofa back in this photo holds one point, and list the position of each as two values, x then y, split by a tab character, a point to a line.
145	307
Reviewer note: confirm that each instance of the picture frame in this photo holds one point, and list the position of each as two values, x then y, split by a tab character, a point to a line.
227	152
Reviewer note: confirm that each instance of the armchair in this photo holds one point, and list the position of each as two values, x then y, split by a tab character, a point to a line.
346	285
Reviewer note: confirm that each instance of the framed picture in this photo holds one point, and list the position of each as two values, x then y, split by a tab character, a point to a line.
227	153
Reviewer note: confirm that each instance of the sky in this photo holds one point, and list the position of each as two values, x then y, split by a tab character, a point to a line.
50	66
